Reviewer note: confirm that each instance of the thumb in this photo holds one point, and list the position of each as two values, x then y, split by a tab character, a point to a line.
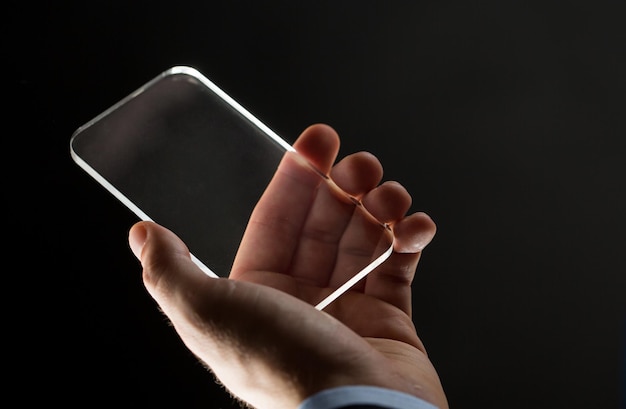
166	261
197	305
251	336
208	314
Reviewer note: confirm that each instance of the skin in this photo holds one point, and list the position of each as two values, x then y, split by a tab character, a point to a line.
258	330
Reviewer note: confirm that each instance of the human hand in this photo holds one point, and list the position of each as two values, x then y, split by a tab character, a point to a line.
258	331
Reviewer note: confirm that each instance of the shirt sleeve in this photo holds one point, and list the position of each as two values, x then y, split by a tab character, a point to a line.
363	397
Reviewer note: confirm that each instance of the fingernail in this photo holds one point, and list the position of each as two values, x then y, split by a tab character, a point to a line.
137	239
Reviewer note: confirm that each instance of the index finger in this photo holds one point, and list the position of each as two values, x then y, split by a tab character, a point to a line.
271	236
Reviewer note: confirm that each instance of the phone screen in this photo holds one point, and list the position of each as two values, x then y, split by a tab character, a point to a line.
181	152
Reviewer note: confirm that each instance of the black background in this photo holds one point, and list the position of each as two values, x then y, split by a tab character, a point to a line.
505	120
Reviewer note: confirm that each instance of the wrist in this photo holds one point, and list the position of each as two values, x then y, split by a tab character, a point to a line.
357	395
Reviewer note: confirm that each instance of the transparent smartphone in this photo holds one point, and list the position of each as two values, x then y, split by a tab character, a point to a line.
181	152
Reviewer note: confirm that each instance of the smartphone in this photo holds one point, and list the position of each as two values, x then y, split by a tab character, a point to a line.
181	152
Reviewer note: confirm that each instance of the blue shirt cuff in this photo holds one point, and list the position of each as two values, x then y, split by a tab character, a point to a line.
346	396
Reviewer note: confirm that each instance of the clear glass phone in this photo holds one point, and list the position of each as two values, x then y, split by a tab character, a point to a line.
181	152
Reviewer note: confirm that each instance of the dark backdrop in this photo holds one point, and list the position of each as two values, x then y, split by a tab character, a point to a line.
505	120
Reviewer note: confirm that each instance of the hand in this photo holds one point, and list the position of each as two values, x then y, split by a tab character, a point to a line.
258	330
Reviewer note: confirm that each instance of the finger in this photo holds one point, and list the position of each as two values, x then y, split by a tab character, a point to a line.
213	316
167	267
319	145
388	202
413	233
363	240
391	281
329	215
364	244
357	174
272	233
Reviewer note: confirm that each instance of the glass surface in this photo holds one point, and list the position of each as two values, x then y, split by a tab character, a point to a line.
182	153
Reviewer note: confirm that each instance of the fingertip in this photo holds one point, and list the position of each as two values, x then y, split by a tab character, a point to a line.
413	233
319	144
358	173
164	257
137	236
148	239
388	202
